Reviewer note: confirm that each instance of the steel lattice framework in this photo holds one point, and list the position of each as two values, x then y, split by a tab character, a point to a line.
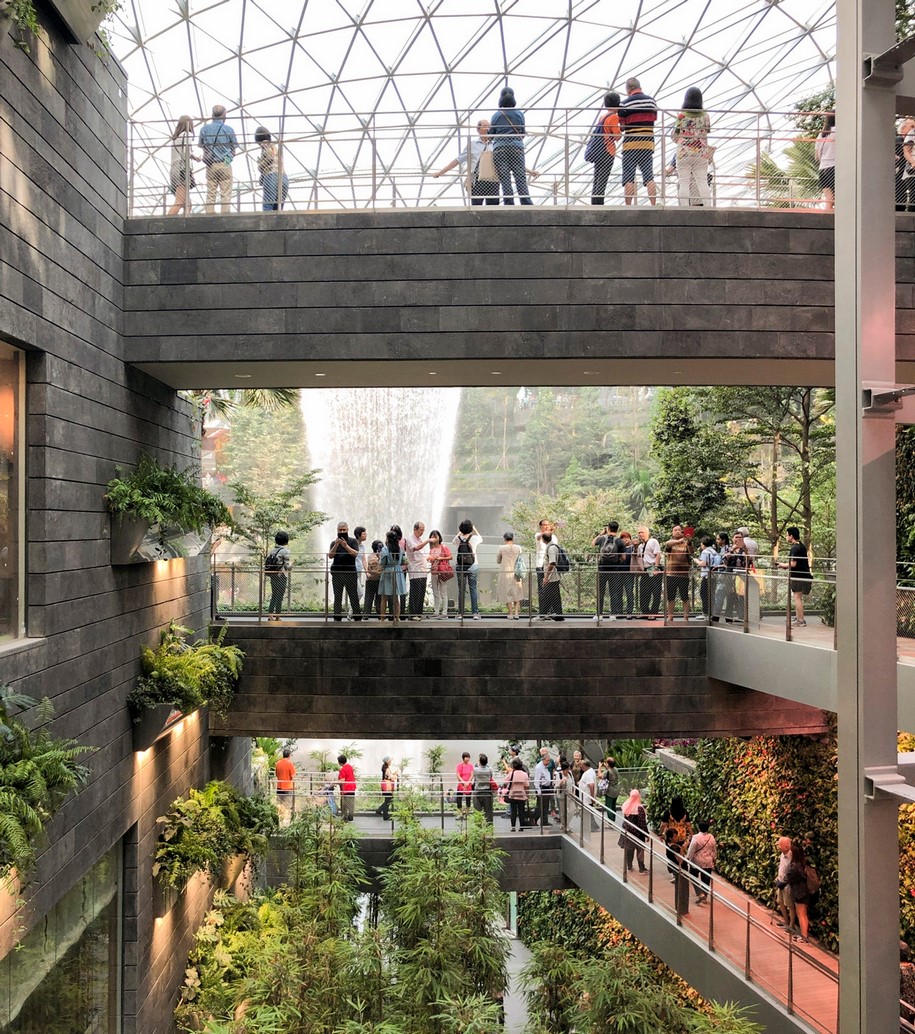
374	93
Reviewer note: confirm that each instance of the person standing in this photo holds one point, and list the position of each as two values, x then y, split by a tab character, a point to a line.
388	786
545	527
344	577
268	168
552	581
482	189
180	173
346	780
587	789
702	852
464	792
797	883
677	561
482	788
735	565
393	582
511	587
825	152
276	565
518	787
606	133
783	896
800	581
635	830
543	785
465	544
637	115
749	543
219	147
507	130
690	134
372	563
627	577
417	569
648	561
707	561
678	873
608	785
440	572
610	560
360	535
285	784
905	171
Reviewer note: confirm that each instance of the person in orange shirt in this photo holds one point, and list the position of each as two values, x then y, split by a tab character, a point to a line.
609	128
285	784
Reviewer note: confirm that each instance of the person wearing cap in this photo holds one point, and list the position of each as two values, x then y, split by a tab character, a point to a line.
388	783
267	166
750	545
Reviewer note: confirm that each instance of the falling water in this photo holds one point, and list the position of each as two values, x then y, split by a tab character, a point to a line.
384	454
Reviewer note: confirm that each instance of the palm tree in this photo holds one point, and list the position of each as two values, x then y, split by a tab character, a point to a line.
221	402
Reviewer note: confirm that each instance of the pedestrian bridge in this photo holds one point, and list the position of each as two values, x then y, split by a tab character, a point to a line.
535	295
729	949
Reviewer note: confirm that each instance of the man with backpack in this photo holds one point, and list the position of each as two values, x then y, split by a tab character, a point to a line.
466	543
551	598
276	564
610	559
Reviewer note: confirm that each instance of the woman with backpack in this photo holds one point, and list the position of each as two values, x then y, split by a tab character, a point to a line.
797	881
702	852
441	572
393	581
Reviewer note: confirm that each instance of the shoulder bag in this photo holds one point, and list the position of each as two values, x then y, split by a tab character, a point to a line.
486	167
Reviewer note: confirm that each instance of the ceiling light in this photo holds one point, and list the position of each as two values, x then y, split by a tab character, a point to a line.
496	373
243	376
432	373
320	375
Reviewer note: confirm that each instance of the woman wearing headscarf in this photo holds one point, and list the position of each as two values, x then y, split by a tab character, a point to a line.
635	830
690	134
507	130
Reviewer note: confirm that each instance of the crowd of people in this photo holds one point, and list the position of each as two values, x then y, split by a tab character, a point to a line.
554	793
393	576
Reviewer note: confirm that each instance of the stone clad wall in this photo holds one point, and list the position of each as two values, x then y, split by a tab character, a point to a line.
62	206
363	680
532	284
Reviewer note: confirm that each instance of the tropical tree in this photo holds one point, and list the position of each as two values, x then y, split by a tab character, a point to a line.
259	517
579	518
223	403
264	448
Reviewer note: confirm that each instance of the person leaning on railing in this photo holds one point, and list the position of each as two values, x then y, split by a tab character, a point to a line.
484	182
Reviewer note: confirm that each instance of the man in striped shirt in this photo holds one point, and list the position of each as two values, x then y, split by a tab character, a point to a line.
637	115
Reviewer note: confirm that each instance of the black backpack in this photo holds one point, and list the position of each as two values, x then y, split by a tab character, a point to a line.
611	552
274	563
563	563
465	555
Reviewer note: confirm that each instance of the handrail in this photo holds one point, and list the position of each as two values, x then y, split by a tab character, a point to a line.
384	160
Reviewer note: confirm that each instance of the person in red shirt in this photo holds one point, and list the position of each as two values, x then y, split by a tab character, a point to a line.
346	777
285	784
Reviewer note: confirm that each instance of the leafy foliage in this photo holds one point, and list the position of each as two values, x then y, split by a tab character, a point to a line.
206	828
578	518
261	516
166	496
25	18
588	974
187	675
905	501
292	960
37	773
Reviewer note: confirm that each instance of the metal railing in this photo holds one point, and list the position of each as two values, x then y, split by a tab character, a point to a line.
381	160
742	600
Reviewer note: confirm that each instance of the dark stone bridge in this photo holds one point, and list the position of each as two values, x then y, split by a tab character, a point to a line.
491	295
574	681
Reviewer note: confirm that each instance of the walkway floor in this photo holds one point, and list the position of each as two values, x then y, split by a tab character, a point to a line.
732	924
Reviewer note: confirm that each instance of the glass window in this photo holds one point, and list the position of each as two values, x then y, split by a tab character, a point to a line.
12	492
64	976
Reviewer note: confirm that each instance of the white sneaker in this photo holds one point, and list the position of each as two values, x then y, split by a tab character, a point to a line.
595	618
476	617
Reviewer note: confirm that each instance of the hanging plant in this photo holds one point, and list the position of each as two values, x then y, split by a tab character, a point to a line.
187	675
24	16
206	828
37	773
165	496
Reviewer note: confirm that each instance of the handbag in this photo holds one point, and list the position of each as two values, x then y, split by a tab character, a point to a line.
443	570
486	167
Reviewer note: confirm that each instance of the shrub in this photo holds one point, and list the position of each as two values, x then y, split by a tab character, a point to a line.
206	828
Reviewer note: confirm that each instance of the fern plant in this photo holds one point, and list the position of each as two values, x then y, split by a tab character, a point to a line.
165	496
37	773
187	675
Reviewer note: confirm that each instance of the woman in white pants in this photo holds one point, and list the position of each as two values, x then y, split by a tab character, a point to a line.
690	134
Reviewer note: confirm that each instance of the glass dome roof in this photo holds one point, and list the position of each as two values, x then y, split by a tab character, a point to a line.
371	97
